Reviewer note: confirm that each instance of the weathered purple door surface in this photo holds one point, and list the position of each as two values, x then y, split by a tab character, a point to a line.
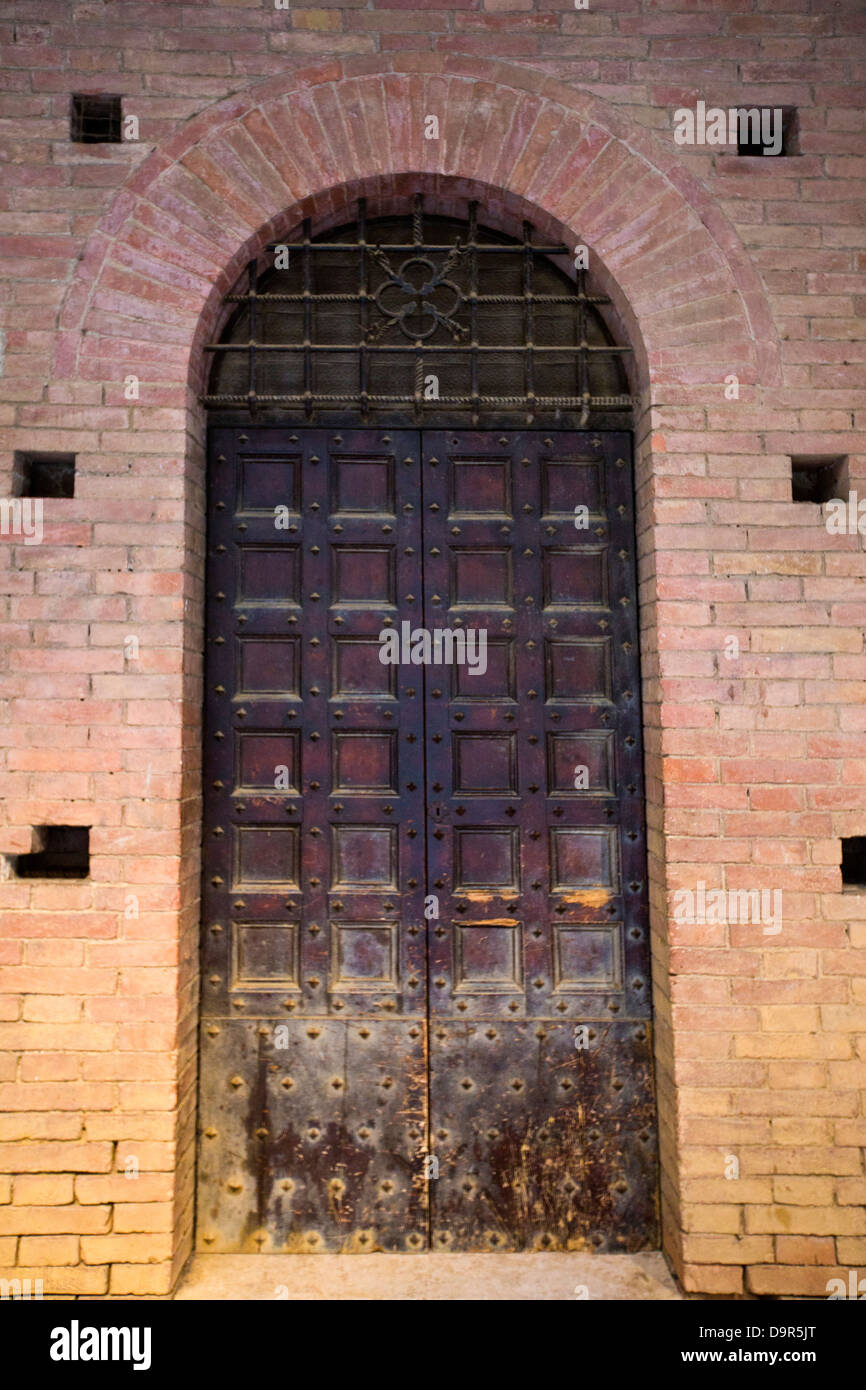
425	961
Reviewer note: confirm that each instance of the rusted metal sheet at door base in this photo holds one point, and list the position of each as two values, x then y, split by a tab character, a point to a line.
544	1137
313	1135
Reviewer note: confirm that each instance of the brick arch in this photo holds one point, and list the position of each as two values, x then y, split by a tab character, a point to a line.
149	286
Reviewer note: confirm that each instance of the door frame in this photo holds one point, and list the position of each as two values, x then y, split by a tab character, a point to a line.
295	428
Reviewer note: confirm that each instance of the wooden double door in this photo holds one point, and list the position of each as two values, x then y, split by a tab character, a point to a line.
425	956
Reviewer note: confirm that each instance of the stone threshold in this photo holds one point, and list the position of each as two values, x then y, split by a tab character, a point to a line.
559	1277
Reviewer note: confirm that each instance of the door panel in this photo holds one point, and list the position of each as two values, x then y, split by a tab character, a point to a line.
536	850
314	1115
503	788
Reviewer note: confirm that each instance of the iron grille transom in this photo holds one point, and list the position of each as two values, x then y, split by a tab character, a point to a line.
414	317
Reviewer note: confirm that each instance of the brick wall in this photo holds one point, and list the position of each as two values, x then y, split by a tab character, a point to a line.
112	261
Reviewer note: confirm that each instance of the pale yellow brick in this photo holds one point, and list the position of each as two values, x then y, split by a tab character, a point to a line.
789	965
715	1220
130	1279
728	1250
803	1281
115	1187
65	1220
795	1045
316	19
790	1018
741	1189
58	1280
712	1279
806	1250
845	1018
48	1250
814	1221
805	1192
43	1189
851	1191
790	1075
143	1216
807	1047
126	1249
801	1129
806	1160
848	1076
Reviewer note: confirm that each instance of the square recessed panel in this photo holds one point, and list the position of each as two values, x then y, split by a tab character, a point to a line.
497	681
481	488
269	574
486	858
583	858
266	856
485	764
575	578
268	665
357	672
487	960
364	760
363	574
267	482
364	856
570	483
265	955
580	764
364	956
363	486
481	577
268	762
578	669
587	957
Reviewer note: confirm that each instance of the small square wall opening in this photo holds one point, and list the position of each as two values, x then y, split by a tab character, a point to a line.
43	475
95	119
854	863
818	478
64	853
773	131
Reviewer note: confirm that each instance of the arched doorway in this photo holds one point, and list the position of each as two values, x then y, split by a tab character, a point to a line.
426	989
